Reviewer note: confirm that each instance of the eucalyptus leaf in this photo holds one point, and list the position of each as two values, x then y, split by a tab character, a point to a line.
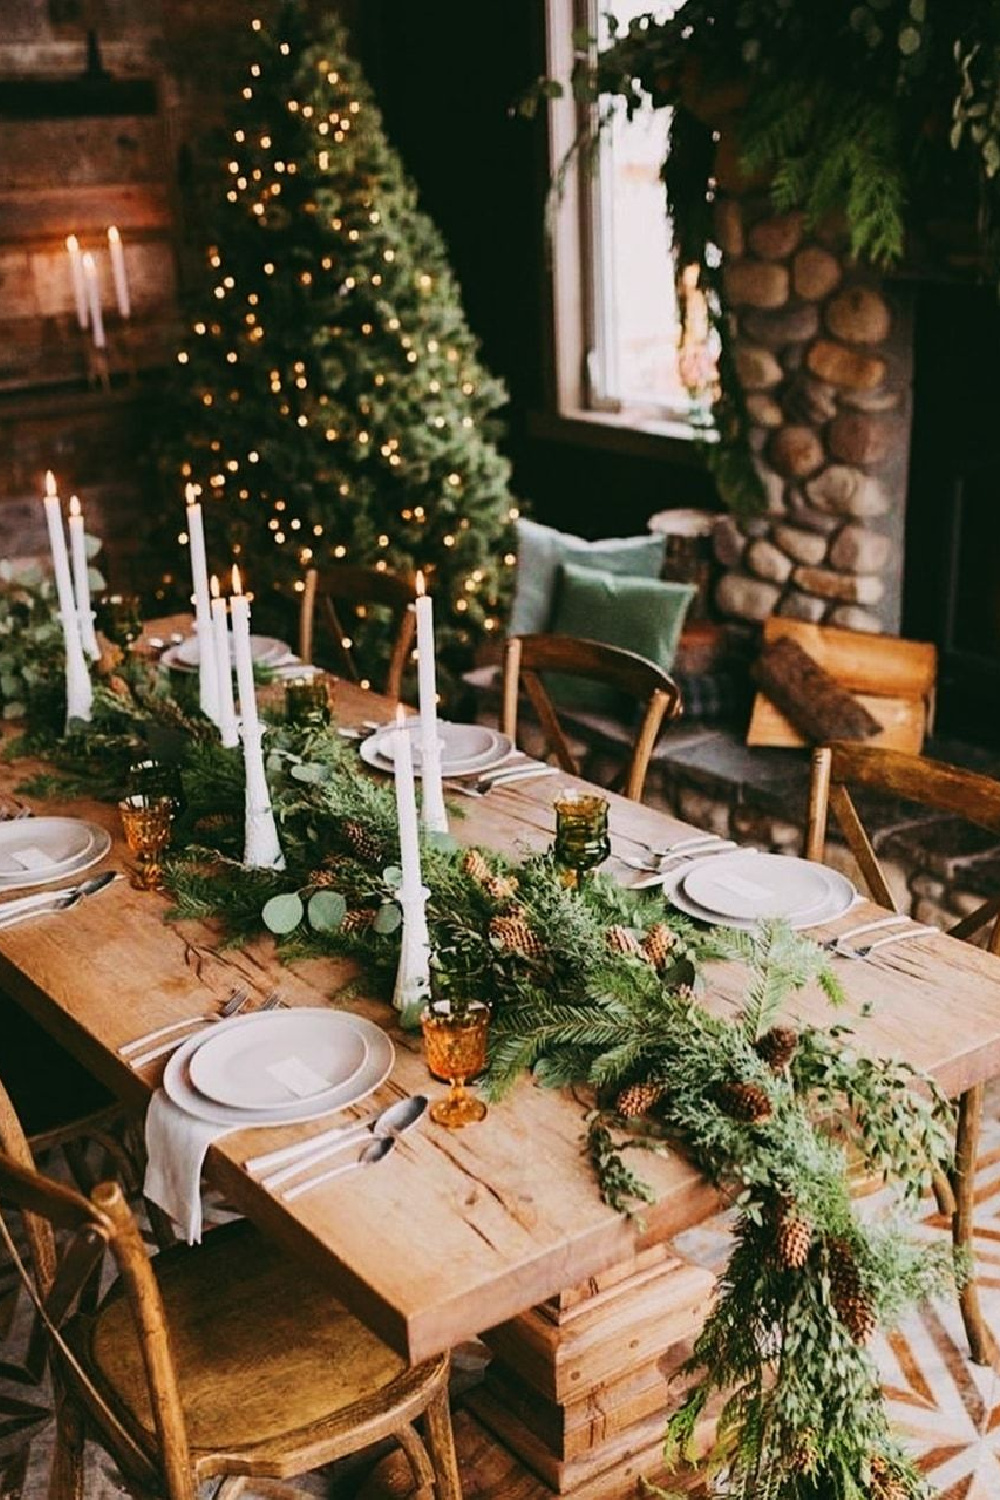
310	773
96	581
91	546
326	911
393	877
387	918
14	710
446	842
283	913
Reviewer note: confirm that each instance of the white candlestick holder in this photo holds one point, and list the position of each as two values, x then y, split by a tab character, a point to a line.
208	678
433	813
79	692
262	851
413	977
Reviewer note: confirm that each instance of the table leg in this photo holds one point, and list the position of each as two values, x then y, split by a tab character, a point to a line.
580	1386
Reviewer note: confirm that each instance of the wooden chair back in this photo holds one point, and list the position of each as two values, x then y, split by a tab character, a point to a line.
931	783
894	679
56	1281
526	656
360	589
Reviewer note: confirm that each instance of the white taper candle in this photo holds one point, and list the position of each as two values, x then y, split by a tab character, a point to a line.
76	272
81	580
118	274
434	815
228	727
79	694
94	300
208	677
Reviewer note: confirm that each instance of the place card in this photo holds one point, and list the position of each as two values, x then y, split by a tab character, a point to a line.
298	1077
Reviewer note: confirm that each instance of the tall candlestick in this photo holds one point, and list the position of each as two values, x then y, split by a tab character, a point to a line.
434	815
406	809
228	727
93	300
118	275
79	694
79	288
81	581
208	677
261	849
239	609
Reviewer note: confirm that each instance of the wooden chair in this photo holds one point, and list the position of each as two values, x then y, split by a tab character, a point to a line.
362	588
224	1361
525	656
976	799
894	679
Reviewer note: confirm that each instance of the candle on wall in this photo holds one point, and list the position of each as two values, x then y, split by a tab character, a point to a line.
240	611
93	300
79	288
118	274
208	685
78	690
223	668
81	580
434	815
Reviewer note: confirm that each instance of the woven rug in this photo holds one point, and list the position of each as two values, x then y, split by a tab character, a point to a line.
944	1408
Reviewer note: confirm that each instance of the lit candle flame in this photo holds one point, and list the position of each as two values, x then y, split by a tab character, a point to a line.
420	582
72	244
237	586
113	235
400	716
74	506
190	494
213	584
50	483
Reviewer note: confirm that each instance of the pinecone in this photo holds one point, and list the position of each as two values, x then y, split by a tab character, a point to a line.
499	888
209	822
621	940
850	1301
658	944
802	1459
777	1047
362	842
886	1483
744	1101
638	1099
515	936
357	921
793	1237
475	865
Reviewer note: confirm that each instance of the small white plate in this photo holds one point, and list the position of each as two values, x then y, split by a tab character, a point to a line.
265	650
377	751
289	1056
756	886
77	851
376	1069
841	897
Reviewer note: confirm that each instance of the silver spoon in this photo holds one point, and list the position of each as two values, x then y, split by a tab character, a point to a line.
375	1151
392	1122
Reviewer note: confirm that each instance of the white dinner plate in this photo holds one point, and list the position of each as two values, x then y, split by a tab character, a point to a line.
489	752
266	650
375	1070
841	896
289	1056
756	886
70	850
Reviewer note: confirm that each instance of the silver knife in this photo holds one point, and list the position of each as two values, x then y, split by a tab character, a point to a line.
26	906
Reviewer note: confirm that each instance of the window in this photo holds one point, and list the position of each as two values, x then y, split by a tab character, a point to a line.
619	349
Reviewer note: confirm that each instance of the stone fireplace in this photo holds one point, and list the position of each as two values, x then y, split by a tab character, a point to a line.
823	352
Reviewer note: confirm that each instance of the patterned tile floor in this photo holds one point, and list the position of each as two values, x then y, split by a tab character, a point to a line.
945	1409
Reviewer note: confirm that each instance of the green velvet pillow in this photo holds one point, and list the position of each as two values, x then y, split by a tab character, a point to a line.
640	614
541	550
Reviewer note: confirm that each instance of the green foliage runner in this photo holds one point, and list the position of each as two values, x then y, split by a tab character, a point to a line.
598	989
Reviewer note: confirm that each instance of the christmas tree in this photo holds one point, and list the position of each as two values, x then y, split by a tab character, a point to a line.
331	404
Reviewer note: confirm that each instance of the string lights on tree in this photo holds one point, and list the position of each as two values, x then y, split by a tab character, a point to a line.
330	401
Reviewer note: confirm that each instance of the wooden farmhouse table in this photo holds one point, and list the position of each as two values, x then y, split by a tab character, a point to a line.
498	1229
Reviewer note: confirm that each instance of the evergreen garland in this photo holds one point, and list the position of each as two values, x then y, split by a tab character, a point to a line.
599	989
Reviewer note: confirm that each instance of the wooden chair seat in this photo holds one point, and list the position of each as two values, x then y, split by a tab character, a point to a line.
262	1351
633	676
347	595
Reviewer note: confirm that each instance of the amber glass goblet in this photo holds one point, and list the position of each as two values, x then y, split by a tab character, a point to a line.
582	840
146	819
455	1046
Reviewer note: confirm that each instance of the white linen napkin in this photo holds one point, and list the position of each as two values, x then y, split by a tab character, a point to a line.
176	1144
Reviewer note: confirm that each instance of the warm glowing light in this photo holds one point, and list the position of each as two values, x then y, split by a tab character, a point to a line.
419	582
50	483
237	585
74	506
213	584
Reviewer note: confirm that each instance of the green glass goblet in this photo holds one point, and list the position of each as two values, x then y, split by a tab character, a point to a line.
582	841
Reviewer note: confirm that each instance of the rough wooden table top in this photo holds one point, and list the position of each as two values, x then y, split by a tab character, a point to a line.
456	1231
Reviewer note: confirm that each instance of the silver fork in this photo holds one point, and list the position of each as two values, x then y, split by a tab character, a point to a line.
232	1007
894	937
